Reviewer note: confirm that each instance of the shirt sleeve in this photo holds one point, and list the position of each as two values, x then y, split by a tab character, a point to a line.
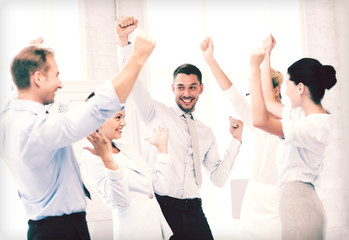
309	132
55	131
140	96
239	104
220	169
160	173
110	185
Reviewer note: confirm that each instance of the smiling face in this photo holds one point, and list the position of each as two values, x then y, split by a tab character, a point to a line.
187	89
112	128
51	82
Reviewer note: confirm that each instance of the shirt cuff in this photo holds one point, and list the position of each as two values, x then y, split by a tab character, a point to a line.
114	174
164	158
235	143
124	52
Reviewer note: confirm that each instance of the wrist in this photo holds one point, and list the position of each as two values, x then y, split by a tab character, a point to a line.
161	149
122	40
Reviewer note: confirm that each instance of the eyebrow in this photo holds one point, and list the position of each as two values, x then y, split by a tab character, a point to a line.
181	84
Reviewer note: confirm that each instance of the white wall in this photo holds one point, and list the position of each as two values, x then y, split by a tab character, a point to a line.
325	32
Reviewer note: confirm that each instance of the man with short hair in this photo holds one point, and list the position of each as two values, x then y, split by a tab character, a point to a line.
37	147
191	143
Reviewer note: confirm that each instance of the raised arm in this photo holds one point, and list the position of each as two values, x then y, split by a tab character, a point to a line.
260	116
238	102
143	47
272	105
207	52
140	97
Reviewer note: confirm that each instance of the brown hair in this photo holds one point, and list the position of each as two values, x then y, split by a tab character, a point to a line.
27	62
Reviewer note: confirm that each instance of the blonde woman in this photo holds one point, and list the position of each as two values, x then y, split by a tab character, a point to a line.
259	217
124	181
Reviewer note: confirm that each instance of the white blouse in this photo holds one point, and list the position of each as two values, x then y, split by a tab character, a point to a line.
300	154
129	191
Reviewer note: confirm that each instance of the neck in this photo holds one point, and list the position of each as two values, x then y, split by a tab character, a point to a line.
310	107
26	94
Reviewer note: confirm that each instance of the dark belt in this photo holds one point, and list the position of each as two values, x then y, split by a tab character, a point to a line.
70	217
180	204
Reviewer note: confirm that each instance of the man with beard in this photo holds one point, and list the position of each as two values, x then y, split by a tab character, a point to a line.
191	143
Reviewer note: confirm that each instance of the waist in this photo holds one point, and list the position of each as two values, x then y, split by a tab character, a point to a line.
180	204
78	216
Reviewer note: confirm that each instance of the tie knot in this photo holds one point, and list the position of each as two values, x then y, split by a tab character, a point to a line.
187	115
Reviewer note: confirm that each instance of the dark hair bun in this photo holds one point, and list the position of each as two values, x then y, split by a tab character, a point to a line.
329	79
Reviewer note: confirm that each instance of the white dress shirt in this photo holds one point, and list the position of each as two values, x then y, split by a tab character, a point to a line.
182	177
129	191
37	149
300	155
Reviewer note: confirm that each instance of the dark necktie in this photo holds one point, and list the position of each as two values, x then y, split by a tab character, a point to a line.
87	193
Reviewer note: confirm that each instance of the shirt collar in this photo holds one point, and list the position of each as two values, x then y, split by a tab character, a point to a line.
179	112
27	105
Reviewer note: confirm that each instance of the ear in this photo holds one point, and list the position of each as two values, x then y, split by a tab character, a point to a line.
201	88
300	88
276	91
173	87
36	79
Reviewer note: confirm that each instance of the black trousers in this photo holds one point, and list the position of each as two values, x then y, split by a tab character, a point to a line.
67	227
185	217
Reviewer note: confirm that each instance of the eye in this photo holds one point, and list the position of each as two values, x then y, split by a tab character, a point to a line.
193	87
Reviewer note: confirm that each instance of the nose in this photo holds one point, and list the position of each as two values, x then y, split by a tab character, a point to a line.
186	93
123	122
60	84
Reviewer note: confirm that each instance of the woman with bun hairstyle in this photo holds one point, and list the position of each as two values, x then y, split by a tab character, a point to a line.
304	130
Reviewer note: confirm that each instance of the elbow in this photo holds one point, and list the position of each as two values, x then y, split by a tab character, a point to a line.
121	203
219	183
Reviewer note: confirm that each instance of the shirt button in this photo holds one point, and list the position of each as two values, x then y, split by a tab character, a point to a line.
151	196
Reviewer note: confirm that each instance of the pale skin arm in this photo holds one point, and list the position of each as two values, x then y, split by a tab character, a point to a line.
207	49
260	116
159	139
272	105
102	148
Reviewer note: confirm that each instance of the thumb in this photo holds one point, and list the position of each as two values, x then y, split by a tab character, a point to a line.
89	149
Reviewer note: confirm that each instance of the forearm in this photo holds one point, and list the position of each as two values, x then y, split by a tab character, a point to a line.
122	40
260	116
221	78
109	184
258	108
221	169
124	82
109	163
272	105
160	173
